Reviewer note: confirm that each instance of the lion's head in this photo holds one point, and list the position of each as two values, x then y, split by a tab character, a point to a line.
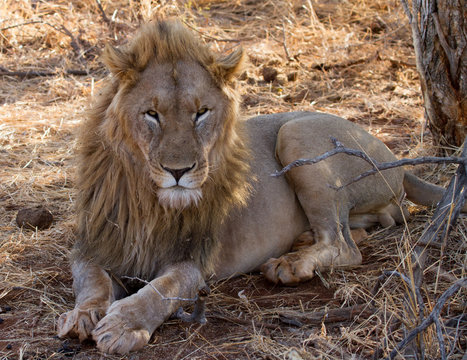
162	155
174	108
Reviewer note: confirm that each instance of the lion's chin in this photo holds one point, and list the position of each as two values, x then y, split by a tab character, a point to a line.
177	197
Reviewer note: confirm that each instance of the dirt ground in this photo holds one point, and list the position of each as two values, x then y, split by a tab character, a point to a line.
350	58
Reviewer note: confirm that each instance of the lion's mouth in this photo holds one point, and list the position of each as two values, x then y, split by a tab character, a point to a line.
178	197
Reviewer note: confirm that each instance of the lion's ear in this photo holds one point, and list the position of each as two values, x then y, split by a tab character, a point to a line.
117	61
231	65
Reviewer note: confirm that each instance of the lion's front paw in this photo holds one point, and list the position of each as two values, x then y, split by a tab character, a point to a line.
286	270
114	335
79	322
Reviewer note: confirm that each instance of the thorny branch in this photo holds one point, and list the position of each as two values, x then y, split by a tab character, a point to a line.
157	291
419	298
339	148
199	311
432	318
443	219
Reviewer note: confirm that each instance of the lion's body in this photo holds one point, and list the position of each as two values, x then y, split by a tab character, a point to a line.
173	187
279	210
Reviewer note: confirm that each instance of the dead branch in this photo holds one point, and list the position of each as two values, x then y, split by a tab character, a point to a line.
418	294
327	67
284	43
62	29
239	321
327	316
22	24
433	317
215	38
199	312
300	319
339	148
42	73
444	217
101	10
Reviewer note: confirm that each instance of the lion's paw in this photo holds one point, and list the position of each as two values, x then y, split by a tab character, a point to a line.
79	322
286	270
114	336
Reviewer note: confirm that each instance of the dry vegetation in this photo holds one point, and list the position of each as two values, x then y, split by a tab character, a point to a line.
351	58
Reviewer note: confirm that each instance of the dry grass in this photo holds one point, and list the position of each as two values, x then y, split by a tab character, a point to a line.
351	58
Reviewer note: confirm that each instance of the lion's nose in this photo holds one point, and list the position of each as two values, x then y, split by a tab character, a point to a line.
178	173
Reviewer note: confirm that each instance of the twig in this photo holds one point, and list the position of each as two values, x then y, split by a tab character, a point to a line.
22	24
284	43
62	29
157	291
216	38
101	10
239	321
444	217
419	298
74	42
199	312
41	73
433	317
377	166
324	67
327	316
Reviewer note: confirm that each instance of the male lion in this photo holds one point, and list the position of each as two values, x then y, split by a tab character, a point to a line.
174	188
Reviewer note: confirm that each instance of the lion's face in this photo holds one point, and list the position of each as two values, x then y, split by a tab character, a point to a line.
174	115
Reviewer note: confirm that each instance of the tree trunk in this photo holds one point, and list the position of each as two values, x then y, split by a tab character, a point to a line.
439	31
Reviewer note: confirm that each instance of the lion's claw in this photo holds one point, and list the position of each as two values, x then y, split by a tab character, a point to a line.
280	271
289	269
79	323
113	336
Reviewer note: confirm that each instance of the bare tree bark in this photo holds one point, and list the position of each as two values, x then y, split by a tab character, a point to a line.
439	29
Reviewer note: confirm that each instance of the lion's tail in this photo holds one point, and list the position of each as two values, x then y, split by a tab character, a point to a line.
423	193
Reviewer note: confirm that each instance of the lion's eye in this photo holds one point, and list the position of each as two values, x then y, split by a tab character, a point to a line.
152	117
201	115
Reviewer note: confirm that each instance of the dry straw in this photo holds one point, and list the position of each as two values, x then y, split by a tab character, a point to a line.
351	58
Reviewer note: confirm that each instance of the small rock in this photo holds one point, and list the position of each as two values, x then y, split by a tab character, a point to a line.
32	218
269	74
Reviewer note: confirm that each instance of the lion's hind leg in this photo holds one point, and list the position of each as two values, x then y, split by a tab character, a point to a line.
330	243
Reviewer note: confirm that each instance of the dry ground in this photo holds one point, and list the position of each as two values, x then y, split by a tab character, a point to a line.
352	58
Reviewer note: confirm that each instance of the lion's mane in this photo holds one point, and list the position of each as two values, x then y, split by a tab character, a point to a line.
121	225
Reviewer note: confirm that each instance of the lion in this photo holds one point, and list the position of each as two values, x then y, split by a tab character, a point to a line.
173	187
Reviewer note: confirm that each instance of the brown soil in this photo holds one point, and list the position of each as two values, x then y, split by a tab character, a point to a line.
350	58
